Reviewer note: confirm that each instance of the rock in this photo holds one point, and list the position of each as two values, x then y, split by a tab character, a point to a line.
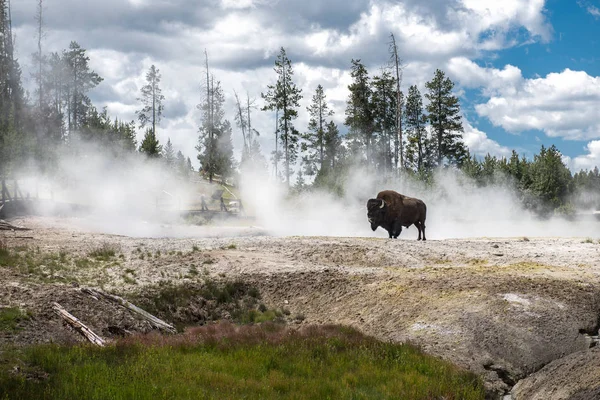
576	376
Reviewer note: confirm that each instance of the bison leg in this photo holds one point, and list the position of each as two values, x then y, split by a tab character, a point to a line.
422	224
397	229
418	225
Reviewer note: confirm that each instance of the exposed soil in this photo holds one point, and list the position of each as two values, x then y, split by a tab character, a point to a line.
501	307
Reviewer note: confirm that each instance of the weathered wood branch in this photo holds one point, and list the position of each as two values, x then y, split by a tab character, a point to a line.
78	325
154	321
6	226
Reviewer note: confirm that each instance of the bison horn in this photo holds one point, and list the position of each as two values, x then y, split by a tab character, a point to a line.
382	203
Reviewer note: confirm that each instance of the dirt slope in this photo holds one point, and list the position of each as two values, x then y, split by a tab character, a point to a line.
503	308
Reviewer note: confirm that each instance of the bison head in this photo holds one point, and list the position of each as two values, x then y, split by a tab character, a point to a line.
376	211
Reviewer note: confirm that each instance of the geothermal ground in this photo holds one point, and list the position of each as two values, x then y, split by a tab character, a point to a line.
513	310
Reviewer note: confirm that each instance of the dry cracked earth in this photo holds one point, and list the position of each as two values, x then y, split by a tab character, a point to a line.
520	312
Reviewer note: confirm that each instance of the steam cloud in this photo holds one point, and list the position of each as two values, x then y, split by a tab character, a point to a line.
132	196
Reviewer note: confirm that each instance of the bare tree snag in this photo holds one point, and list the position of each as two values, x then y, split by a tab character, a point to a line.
78	325
154	321
5	226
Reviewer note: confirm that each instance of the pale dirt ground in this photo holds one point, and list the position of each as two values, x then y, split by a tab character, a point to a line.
501	307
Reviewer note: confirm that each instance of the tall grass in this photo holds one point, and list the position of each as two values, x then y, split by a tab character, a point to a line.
230	362
10	317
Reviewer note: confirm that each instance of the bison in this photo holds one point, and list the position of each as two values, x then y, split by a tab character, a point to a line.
392	210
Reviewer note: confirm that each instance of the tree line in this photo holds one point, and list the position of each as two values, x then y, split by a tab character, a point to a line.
396	136
392	134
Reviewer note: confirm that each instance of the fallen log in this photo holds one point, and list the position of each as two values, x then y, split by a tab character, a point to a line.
154	321
78	325
6	226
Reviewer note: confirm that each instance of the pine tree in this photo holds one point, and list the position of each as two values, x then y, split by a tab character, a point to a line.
550	178
359	112
215	148
168	154
471	167
384	119
13	134
80	81
314	139
300	182
152	100
181	165
150	144
126	134
285	96
333	143
418	148
445	119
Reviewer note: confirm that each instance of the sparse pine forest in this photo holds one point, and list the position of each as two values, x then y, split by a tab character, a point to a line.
388	133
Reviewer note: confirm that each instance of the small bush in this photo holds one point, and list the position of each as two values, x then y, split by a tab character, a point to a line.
10	318
105	252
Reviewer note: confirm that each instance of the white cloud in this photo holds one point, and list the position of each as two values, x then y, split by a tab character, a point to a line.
242	38
590	8
561	104
480	145
588	161
504	15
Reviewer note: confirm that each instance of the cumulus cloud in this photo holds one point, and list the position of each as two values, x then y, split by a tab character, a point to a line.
588	161
243	37
561	104
480	144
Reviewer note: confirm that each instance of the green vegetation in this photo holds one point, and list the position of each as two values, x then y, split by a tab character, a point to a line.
105	252
204	300
10	318
33	262
224	361
58	266
192	272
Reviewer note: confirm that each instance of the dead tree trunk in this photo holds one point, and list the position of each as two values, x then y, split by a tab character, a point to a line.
78	325
154	321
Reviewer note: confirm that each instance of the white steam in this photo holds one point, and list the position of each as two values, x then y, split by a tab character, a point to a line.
133	196
456	208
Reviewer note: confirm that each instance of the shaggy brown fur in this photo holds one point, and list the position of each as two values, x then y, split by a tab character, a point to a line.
397	211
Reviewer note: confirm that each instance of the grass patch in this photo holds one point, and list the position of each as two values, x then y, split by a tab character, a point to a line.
10	318
225	361
192	272
130	280
29	261
588	240
202	301
8	258
105	252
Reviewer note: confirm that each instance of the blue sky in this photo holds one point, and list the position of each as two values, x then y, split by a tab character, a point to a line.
574	45
526	70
